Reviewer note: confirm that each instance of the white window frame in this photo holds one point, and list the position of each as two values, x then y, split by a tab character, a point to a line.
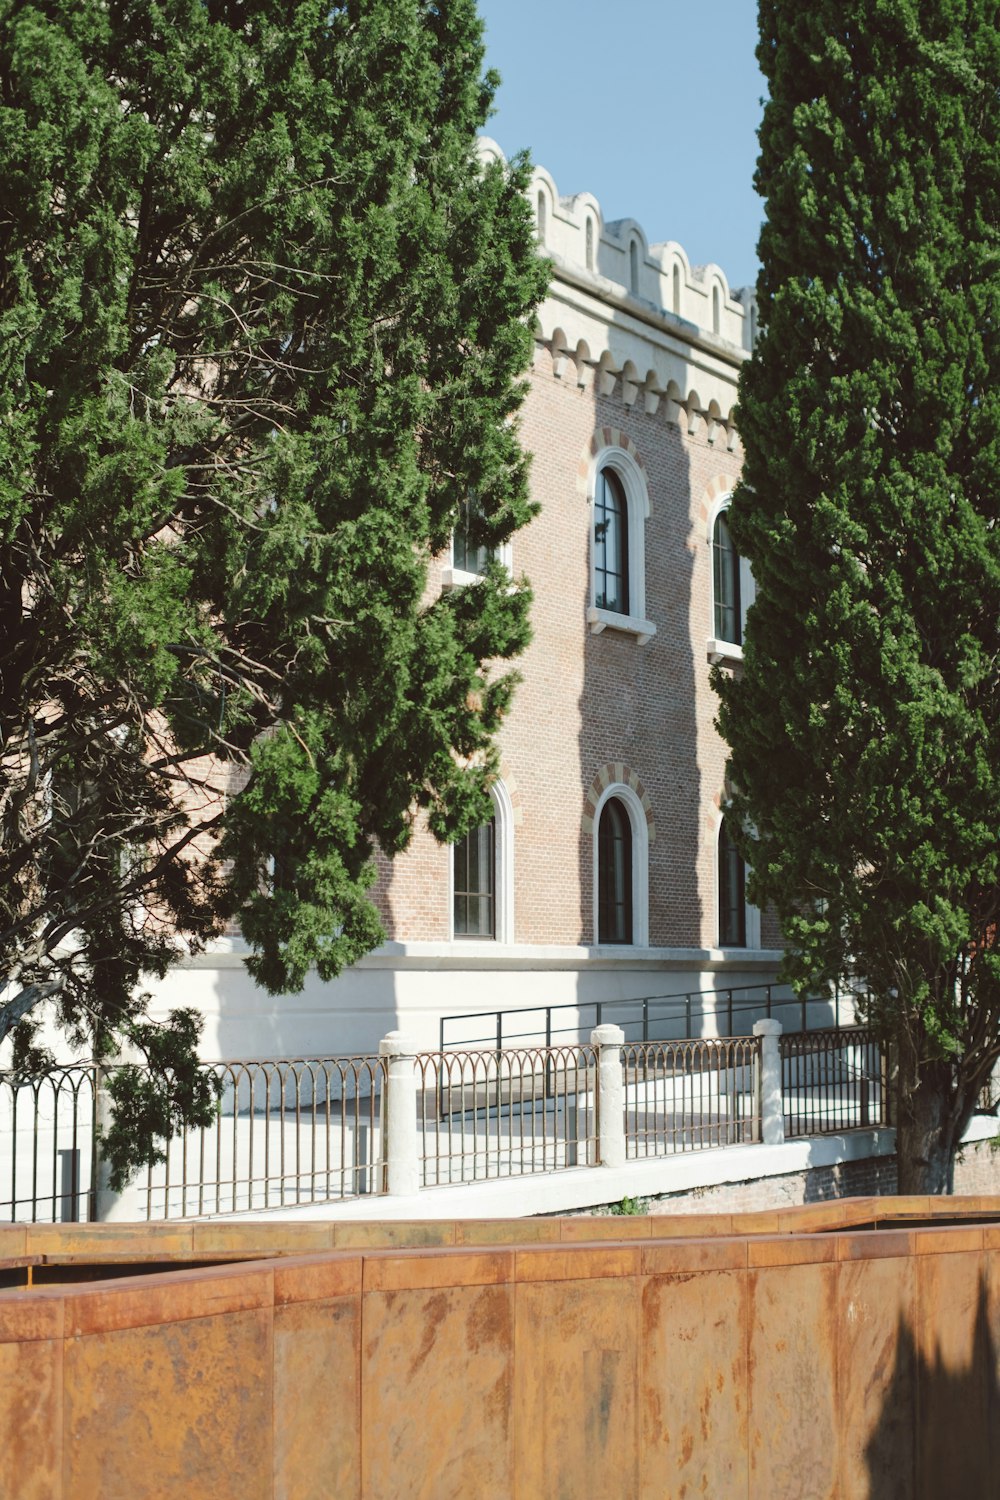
461	578
503	876
636	491
640	866
721	651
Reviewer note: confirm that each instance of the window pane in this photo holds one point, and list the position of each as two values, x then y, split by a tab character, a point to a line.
610	544
614	875
475	884
732	894
465	556
728	621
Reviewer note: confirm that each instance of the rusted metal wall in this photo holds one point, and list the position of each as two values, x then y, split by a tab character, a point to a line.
792	1354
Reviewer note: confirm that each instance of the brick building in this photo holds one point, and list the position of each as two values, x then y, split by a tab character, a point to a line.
602	874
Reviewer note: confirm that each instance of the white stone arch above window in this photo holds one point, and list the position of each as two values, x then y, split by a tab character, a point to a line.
640	860
634	484
721	650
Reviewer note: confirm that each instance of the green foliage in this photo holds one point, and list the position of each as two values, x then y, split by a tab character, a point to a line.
865	726
263	315
629	1207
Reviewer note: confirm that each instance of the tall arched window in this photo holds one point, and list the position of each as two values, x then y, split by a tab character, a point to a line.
541	214
475	883
633	268
677	289
611	551
590	244
732	894
614	874
716	316
726	584
482	876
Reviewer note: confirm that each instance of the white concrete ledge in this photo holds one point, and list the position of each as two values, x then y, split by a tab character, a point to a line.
519	956
579	1188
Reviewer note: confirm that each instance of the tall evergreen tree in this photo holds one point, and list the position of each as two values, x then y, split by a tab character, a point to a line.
262	318
865	726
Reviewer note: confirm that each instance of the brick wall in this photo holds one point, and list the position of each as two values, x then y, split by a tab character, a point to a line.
590	701
977	1171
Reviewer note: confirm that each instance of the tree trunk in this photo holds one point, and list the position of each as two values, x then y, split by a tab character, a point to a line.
926	1137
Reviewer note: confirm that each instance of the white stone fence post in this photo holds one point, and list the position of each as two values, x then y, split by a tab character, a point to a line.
609	1041
399	1121
770	1105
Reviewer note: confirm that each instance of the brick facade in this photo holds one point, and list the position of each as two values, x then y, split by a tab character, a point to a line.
589	702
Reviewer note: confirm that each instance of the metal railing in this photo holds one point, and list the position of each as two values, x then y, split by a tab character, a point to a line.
686	1096
833	1081
293	1131
47	1142
647	1018
488	1114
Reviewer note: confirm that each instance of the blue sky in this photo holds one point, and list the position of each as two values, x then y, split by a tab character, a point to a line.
651	105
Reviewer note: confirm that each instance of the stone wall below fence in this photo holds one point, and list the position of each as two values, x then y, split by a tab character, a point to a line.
977	1171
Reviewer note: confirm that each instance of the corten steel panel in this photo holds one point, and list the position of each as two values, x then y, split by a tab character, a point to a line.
573	1263
257	1239
436	1394
576	1379
668	1224
614	1227
317	1400
96	1239
680	1256
25	1316
947	1239
862	1245
791	1249
171	1411
877	1376
135	1302
793	1382
31	1420
953	1363
409	1270
693	1391
314	1278
992	1260
13	1240
410	1235
508	1231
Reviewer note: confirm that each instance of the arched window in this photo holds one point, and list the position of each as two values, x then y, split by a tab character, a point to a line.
483	876
541	214
633	268
476	883
590	244
611	549
677	289
726	584
614	874
716	314
732	894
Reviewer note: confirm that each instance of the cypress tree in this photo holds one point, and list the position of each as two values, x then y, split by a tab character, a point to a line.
263	314
865	725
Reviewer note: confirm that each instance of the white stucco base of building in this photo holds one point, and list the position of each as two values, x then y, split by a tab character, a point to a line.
410	986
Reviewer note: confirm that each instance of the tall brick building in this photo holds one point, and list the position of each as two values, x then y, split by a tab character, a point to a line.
602	874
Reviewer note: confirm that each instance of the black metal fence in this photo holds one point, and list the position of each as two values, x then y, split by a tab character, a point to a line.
679	1016
47	1140
832	1081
